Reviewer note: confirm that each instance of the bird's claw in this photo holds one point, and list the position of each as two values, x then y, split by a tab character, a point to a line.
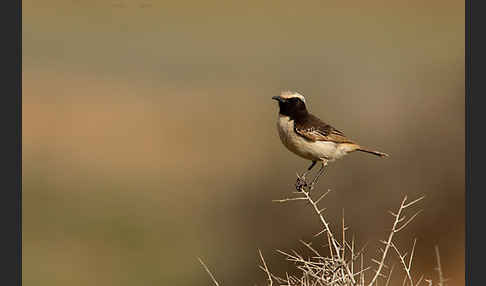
300	184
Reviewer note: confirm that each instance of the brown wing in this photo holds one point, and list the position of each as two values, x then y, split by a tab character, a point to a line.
314	129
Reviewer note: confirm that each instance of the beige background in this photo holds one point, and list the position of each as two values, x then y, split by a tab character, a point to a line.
149	134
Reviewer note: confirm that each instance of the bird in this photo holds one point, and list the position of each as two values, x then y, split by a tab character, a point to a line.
307	136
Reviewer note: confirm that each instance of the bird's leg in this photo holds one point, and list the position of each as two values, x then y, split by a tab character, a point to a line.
308	170
316	179
301	179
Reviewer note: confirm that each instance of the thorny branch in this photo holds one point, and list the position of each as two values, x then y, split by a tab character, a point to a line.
395	229
338	268
337	251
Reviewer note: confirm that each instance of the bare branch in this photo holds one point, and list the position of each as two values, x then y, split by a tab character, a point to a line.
420	280
266	268
209	272
289	200
439	267
413	202
395	229
408	221
404	263
337	268
389	276
322	196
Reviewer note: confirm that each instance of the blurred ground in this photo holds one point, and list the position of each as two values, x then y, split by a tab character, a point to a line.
149	134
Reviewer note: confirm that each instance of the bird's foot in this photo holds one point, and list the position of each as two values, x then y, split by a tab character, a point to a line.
301	183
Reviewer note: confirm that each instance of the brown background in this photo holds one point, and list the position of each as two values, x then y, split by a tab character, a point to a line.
149	134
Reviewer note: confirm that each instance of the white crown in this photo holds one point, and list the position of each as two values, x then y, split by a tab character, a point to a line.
292	94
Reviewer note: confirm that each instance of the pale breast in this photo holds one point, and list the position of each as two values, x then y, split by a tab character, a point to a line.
294	142
284	127
304	148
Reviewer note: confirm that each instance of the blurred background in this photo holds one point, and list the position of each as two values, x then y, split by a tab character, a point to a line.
149	134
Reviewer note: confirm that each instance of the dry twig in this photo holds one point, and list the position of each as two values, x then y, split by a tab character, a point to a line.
338	268
209	272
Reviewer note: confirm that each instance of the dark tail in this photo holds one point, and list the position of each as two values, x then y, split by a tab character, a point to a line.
379	154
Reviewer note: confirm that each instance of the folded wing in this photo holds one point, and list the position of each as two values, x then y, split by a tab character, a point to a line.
314	129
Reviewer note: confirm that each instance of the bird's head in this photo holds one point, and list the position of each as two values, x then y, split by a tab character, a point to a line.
291	103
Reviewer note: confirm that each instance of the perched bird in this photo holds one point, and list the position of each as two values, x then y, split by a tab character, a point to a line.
310	138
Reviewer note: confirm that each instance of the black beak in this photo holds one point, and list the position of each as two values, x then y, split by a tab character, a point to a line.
278	98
